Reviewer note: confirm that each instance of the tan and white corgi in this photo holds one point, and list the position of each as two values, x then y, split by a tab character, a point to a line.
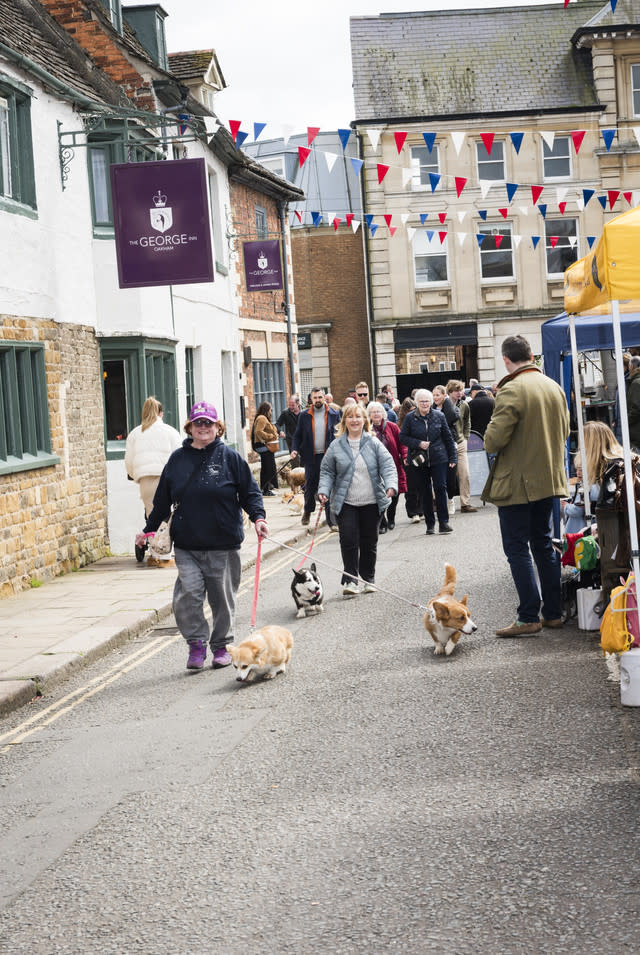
446	618
265	653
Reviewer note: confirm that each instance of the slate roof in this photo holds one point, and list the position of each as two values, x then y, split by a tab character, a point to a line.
475	62
28	29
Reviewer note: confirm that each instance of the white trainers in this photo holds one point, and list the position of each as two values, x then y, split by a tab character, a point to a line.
452	506
370	588
350	589
416	519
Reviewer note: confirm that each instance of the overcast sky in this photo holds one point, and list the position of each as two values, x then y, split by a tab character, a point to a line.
287	61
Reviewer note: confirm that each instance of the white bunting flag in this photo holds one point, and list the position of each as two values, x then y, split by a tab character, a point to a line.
407	175
636	133
211	125
410	233
354	225
458	139
461	237
485	185
330	217
524	210
580	202
549	139
331	160
517	239
572	240
404	218
461	215
561	193
374	137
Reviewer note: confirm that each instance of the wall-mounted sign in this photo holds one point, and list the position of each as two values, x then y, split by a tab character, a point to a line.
161	223
262	265
304	340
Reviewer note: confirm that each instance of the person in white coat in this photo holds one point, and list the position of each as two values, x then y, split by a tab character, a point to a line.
148	448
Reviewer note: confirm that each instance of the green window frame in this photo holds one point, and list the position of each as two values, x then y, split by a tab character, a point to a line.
111	143
114	9
17	175
133	369
25	438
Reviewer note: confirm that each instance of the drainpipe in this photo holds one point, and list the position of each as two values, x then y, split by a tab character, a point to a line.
367	266
282	211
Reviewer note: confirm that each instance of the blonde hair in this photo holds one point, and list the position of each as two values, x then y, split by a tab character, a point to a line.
151	411
601	448
454	385
350	412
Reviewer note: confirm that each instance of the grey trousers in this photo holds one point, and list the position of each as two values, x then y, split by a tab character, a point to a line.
214	574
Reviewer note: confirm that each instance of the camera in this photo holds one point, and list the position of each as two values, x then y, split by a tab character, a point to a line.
418	459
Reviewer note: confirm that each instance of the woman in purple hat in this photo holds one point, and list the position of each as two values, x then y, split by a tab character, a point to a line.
207	485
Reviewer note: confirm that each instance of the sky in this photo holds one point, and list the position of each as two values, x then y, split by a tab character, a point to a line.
287	62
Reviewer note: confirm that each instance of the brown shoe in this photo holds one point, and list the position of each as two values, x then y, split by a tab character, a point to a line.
518	629
467	509
305	519
553	624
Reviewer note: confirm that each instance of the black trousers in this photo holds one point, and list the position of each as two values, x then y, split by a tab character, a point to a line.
358	541
311	481
389	516
415	488
268	472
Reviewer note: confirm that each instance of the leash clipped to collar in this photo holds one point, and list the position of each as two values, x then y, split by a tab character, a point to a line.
313	537
256	582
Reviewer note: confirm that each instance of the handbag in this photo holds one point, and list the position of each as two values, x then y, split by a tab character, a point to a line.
273	446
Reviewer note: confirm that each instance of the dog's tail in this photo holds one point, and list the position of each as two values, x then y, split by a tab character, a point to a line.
450	578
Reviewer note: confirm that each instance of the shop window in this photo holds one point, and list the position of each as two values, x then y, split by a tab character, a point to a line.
25	439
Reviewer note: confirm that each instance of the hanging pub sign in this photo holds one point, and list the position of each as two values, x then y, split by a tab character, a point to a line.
262	265
161	223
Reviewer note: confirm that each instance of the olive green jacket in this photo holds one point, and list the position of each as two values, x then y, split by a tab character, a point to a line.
528	431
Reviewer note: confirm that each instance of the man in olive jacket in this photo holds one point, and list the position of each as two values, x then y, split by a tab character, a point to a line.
527	432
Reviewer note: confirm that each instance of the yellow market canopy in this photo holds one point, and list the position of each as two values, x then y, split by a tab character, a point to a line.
611	271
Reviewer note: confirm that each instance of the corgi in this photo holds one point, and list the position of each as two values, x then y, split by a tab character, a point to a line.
294	478
447	618
307	592
265	653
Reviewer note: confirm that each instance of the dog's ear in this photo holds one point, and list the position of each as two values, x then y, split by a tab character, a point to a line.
464	599
442	607
313	568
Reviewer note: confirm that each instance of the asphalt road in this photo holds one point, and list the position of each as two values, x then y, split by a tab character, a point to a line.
376	798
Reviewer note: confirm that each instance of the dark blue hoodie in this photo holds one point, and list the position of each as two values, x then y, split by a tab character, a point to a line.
210	514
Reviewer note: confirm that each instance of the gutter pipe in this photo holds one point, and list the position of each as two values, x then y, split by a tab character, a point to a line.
282	208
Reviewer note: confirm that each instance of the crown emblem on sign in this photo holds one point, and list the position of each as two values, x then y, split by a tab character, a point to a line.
159	200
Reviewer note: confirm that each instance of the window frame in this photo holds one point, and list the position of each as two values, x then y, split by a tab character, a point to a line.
25	435
19	148
564	221
547	156
262	230
492	229
117	147
276	396
484	162
114	9
417	182
633	68
441	252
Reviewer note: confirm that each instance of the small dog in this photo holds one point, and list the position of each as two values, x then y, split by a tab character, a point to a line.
294	478
264	654
306	588
447	618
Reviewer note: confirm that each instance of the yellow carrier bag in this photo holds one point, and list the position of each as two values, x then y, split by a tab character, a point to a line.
614	634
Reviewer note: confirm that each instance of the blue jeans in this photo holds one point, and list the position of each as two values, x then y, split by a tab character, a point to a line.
526	530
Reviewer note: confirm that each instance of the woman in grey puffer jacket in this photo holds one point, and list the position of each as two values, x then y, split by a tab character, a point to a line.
359	476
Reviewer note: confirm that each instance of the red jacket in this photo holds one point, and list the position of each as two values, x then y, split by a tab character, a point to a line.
393	446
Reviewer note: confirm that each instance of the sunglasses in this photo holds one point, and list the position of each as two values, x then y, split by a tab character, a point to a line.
203	423
362	394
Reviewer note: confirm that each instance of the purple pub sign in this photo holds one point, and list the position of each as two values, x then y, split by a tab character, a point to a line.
262	265
161	223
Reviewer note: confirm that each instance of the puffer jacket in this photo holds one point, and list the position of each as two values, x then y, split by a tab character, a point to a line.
147	452
435	430
338	465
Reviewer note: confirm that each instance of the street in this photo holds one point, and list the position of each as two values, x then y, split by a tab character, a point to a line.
375	798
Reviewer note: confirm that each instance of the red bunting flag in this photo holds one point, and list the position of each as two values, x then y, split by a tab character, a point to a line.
613	197
442	216
349	218
460	184
303	155
499	239
536	192
399	138
562	206
566	3
387	218
443	236
234	126
503	213
553	239
577	136
628	196
312	132
382	171
487	139
298	215
392	229
336	223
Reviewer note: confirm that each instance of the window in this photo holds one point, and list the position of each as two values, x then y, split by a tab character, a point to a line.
268	385
262	230
496	253
25	440
190	386
429	260
219	239
274	163
133	369
107	146
424	162
491	165
441	366
565	252
114	9
17	180
557	161
635	88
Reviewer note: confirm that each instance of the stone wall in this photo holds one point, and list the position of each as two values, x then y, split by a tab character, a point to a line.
54	519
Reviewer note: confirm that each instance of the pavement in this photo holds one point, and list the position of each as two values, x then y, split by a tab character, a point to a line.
66	623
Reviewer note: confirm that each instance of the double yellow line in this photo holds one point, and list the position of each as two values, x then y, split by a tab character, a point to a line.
50	714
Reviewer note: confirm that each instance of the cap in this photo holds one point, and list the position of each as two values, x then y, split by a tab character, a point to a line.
203	410
475	387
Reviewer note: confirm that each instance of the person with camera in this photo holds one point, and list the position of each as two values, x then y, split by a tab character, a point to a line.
427	435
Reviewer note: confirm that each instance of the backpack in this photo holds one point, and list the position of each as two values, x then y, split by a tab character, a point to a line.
614	633
586	553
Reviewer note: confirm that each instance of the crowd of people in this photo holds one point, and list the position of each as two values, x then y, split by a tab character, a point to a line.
358	458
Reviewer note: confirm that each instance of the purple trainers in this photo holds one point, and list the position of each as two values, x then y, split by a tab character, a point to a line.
221	658
197	655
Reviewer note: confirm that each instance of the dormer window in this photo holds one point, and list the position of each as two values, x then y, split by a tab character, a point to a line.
114	9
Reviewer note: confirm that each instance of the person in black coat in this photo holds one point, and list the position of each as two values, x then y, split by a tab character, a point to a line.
288	421
427	435
481	408
314	434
